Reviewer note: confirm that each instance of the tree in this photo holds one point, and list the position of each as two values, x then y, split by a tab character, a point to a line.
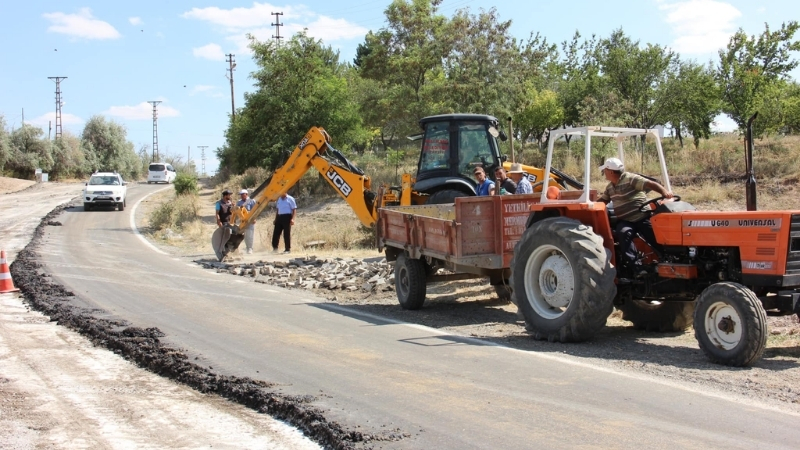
640	76
792	108
406	57
542	113
68	157
106	148
749	66
693	101
298	85
484	71
29	151
5	144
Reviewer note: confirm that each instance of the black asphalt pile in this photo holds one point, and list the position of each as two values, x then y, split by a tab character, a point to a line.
312	273
143	347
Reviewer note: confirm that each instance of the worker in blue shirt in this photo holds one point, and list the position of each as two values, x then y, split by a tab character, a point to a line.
284	219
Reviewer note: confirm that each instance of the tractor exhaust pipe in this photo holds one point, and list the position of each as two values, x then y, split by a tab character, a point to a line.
750	184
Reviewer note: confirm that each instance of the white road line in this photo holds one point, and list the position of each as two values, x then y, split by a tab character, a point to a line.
136	230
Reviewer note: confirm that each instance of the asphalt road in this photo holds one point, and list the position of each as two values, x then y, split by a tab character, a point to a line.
374	375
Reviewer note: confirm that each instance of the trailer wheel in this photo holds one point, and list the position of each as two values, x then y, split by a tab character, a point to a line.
730	324
658	316
409	282
563	280
445	196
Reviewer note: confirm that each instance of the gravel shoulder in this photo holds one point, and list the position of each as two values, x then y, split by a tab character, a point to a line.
471	308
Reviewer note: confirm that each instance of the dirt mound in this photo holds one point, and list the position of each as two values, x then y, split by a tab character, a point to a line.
9	185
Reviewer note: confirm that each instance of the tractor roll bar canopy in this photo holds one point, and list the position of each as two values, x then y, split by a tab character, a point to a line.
619	134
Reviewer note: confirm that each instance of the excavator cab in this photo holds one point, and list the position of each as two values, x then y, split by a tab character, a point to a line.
452	146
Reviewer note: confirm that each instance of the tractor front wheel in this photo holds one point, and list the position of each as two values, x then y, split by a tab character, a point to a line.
730	324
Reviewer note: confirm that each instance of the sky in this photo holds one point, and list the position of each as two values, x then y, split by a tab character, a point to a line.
118	56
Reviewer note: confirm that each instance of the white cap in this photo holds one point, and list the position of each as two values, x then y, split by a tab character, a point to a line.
243	191
613	164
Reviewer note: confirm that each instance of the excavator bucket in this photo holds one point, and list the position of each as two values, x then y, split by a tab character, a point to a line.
219	239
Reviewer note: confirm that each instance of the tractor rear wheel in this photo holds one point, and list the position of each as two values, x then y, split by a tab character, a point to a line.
658	316
445	196
730	324
409	282
563	280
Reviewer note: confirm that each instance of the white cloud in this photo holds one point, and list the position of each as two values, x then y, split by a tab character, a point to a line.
81	25
700	26
135	20
211	51
141	111
259	15
257	20
49	119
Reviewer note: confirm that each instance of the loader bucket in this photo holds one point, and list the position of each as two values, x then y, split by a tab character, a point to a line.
219	241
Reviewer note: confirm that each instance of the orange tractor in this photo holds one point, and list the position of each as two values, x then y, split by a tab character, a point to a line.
718	269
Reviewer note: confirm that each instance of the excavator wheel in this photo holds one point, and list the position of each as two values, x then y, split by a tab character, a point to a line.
445	196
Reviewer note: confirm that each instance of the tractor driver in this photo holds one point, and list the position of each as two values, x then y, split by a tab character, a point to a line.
627	191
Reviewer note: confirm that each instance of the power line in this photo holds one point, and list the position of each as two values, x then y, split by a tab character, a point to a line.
58	104
231	66
277	36
155	103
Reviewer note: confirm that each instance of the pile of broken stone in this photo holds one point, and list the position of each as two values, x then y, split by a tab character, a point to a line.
313	273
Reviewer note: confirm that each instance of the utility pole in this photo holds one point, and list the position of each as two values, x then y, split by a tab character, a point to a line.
155	103
277	36
203	157
231	65
58	104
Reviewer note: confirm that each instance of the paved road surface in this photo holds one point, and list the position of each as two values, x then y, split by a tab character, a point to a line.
371	374
58	391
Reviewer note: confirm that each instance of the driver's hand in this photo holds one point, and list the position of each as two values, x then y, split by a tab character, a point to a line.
668	195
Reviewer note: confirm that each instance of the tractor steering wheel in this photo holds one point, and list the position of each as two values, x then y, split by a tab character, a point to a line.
647	209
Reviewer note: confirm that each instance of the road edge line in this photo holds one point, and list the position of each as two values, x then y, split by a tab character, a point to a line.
133	222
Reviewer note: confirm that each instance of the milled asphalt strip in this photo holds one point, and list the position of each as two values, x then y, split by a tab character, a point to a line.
133	222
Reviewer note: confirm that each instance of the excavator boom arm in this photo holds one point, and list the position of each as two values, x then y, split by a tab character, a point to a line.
312	151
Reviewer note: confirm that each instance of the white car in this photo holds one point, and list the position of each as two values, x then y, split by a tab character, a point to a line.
105	189
161	173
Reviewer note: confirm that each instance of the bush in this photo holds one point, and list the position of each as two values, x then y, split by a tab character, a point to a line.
186	184
175	212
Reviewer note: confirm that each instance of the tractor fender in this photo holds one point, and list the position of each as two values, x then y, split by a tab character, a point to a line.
537	216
